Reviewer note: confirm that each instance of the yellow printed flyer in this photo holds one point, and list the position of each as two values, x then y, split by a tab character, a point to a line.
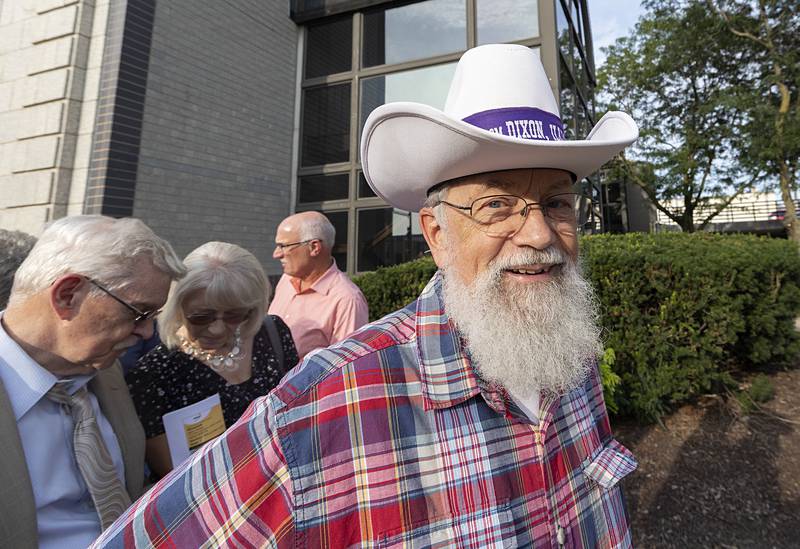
192	426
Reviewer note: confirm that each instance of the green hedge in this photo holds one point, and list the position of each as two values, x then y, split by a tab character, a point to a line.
681	311
391	288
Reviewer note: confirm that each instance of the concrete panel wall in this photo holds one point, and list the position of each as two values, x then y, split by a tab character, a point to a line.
44	46
216	143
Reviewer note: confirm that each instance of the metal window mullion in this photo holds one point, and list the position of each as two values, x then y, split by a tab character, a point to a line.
294	190
324	169
548	49
325	205
472	23
328	79
355	130
587	36
381	70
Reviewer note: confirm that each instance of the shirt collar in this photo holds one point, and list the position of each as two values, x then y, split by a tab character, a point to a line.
446	372
323	284
25	381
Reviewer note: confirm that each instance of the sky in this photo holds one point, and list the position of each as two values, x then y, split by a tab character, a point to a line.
611	19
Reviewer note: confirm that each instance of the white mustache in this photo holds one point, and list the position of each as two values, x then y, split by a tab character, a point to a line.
548	256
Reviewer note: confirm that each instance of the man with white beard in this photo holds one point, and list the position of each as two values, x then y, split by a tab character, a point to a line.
471	418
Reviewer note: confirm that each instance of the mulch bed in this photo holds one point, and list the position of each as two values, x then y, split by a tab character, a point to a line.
710	477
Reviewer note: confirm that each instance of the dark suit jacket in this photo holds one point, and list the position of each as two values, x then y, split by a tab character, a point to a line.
18	526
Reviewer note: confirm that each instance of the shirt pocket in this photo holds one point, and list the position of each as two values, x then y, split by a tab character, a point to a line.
606	504
488	528
610	465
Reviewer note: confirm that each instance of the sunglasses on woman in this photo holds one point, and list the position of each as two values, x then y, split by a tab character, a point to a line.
229	317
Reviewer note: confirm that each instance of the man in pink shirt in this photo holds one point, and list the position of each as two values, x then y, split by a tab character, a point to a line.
318	302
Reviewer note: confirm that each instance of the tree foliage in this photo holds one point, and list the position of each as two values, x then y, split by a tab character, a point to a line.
770	91
679	75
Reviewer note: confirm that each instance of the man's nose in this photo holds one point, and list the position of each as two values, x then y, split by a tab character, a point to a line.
145	329
277	253
536	231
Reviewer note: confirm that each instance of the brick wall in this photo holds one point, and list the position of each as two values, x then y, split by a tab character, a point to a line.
216	142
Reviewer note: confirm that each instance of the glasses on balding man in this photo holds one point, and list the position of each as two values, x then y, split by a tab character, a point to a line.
284	247
504	214
141	316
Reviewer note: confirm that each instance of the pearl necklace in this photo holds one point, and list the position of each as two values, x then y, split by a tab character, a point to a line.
227	362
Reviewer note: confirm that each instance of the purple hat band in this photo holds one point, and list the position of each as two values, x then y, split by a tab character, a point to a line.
520	122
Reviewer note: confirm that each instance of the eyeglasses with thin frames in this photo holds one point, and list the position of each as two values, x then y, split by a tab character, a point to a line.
504	214
141	316
283	247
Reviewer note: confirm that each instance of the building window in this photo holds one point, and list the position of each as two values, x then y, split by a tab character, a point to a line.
399	51
339	220
506	20
326	125
321	188
387	236
414	31
428	85
329	47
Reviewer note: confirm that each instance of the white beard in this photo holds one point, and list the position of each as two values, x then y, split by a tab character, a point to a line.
527	337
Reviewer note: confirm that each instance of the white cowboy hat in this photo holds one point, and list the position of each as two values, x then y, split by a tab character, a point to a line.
500	114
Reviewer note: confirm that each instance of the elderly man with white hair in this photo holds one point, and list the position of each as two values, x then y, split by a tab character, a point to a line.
73	448
318	302
471	418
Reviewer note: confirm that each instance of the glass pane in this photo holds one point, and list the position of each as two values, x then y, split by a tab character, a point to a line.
339	222
316	188
507	20
563	34
329	47
567	102
577	20
326	125
573	12
577	68
428	85
414	31
364	190
388	236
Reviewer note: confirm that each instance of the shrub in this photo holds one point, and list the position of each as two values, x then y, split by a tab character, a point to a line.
684	310
609	379
760	390
680	311
391	288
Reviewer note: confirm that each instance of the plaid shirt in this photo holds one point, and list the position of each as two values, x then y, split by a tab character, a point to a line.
388	439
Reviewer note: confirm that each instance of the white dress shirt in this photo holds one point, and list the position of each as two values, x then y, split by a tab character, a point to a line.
65	514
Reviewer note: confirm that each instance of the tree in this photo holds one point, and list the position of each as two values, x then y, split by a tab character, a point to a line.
678	75
771	132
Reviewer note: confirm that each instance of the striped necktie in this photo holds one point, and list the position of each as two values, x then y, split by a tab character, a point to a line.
108	494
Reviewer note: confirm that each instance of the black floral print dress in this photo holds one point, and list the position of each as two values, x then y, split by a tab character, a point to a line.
165	380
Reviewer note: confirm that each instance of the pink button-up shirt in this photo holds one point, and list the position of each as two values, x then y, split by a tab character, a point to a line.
323	314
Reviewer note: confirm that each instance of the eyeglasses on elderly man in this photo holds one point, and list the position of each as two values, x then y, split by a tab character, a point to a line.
141	316
504	214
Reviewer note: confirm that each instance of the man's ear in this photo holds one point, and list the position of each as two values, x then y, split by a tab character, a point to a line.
315	248
434	235
66	295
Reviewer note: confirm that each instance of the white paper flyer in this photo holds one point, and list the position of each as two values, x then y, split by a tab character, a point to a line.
189	428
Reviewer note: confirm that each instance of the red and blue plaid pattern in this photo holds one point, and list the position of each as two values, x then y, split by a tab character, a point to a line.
388	439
